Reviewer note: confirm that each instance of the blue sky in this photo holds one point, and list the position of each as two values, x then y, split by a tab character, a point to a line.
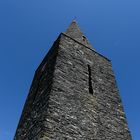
28	28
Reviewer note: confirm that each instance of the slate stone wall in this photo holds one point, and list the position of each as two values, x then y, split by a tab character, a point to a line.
77	98
30	126
75	113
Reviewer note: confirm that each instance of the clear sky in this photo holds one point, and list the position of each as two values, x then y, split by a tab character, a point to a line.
28	28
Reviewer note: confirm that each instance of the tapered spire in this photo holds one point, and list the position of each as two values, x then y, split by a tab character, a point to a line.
74	32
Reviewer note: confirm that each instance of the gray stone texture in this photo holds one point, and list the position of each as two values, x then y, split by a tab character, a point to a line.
74	95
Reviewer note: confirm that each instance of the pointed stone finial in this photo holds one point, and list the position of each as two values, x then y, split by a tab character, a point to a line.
74	32
74	20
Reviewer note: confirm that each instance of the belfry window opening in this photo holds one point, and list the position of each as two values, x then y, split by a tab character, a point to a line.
84	38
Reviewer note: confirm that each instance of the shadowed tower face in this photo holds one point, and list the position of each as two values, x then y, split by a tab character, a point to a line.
73	95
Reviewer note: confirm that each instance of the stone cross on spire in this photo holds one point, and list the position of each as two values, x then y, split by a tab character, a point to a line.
74	32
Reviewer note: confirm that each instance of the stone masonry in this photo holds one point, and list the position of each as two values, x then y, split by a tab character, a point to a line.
74	95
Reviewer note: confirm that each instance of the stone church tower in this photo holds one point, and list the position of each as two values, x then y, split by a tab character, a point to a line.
74	95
